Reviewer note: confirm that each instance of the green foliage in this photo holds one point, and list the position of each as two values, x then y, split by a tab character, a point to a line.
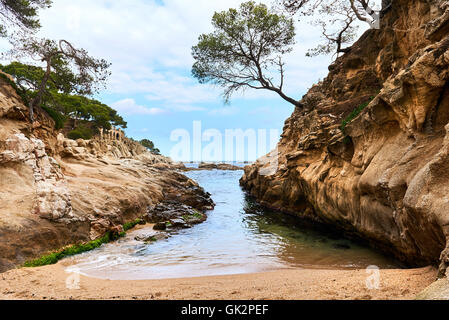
354	114
81	132
245	47
29	78
132	224
56	116
150	146
56	99
82	108
195	215
65	69
147	144
54	257
21	14
337	19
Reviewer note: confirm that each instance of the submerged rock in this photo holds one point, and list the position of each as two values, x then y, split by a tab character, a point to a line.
218	166
179	223
151	236
214	166
176	213
160	226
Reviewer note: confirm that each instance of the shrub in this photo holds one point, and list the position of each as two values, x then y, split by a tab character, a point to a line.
56	116
132	224
81	132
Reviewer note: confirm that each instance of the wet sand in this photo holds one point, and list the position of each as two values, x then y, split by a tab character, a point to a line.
50	282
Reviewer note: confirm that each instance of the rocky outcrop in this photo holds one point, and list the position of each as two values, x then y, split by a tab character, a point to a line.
211	166
56	192
384	176
53	200
218	166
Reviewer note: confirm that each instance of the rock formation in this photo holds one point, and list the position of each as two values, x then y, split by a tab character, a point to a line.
56	191
384	177
218	166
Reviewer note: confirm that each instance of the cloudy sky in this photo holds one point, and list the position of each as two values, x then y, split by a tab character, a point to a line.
149	45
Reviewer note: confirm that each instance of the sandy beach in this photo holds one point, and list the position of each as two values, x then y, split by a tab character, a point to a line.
50	282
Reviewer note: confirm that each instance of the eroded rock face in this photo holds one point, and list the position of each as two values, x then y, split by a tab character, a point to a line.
52	197
385	178
56	192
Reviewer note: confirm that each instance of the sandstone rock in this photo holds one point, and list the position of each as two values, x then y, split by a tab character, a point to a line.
160	226
98	228
151	236
179	223
387	180
57	191
175	212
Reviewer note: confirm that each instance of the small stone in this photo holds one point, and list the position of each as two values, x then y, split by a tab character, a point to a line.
179	223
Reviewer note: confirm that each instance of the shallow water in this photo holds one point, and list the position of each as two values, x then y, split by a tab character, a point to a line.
238	237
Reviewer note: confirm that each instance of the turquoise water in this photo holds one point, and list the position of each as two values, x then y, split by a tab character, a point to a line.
238	237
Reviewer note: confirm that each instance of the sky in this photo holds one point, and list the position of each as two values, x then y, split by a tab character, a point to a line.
149	45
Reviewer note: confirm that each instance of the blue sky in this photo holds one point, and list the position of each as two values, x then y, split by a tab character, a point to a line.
149	45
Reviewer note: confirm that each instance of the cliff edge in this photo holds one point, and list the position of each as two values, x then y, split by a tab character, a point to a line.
56	191
382	174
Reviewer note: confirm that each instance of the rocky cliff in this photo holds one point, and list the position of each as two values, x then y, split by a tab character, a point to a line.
55	191
384	176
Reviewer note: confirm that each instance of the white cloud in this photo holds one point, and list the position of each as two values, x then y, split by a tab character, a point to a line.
149	45
129	107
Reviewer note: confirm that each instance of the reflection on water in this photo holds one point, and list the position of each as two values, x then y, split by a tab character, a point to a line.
238	237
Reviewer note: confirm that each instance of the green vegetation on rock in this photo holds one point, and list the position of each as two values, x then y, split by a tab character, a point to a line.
81	132
54	257
195	215
150	146
354	115
59	102
56	116
130	225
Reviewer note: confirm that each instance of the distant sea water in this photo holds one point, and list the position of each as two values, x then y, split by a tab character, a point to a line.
195	164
